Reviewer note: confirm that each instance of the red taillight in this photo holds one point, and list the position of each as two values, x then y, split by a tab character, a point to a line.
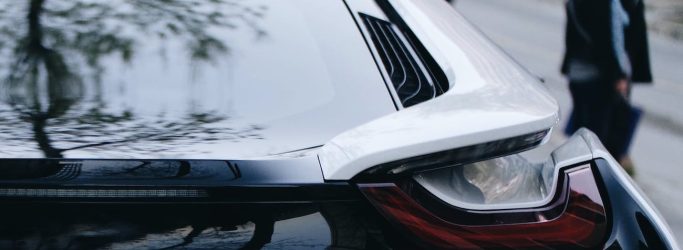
580	220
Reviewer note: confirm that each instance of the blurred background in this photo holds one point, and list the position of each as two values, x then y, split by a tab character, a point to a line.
532	32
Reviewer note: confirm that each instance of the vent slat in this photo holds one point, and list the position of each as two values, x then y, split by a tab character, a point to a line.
413	79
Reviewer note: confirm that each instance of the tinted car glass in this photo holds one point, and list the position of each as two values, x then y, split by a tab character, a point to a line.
181	79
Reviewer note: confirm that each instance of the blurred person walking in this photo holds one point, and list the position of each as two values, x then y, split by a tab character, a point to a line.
606	50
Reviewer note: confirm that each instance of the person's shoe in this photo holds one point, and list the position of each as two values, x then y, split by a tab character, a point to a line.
628	166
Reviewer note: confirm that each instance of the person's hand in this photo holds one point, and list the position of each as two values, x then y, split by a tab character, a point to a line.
622	87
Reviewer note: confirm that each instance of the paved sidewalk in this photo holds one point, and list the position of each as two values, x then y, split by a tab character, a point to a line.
664	16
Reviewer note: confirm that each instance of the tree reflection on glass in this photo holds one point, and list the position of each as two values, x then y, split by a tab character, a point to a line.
52	57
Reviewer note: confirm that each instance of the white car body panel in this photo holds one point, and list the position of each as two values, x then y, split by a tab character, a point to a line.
491	98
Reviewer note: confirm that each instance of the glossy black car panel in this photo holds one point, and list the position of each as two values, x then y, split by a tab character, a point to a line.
290	226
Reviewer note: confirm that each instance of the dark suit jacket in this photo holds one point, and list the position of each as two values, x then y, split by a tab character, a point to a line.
637	42
589	37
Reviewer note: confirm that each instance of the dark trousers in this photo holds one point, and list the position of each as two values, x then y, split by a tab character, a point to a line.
597	106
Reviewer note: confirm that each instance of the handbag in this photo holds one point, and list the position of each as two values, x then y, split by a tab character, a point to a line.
624	123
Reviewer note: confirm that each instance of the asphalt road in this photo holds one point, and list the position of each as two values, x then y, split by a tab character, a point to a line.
532	32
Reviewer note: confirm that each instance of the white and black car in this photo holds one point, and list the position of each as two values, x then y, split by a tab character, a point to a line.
297	124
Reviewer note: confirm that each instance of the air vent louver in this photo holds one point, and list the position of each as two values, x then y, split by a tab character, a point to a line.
414	74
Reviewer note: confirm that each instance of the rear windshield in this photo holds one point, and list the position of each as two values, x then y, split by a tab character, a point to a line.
202	56
76	73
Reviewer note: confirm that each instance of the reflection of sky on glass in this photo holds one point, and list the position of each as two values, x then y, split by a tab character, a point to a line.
291	234
284	60
186	79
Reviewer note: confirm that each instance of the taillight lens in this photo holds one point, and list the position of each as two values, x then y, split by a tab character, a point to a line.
574	216
500	183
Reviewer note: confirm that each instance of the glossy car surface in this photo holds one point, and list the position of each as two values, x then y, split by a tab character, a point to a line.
299	124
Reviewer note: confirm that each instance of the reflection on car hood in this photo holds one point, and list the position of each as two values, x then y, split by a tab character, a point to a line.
180	79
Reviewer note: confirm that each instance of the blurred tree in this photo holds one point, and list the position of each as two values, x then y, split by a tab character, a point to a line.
53	52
